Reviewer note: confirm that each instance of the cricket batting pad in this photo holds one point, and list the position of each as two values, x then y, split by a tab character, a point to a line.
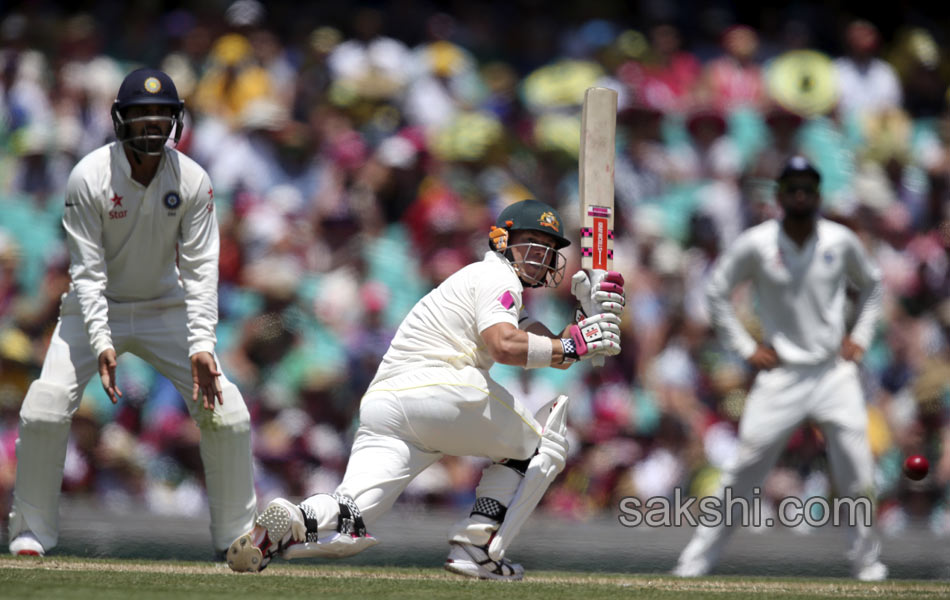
541	471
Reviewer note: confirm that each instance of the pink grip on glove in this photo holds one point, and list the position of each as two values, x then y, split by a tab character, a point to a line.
613	277
607	286
580	345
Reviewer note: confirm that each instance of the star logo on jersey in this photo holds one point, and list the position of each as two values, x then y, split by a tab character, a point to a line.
115	213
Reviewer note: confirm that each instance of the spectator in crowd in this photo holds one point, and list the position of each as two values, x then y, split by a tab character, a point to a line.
734	80
866	84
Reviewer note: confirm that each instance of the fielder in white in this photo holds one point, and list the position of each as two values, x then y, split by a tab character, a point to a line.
143	243
432	395
799	267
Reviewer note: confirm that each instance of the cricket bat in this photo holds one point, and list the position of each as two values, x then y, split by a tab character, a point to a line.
596	172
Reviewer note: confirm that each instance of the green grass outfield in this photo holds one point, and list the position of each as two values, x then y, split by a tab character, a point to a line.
101	579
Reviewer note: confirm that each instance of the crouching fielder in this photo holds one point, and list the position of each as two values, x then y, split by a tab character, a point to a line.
143	248
432	396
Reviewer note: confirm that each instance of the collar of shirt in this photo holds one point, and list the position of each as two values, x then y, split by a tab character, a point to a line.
788	246
122	159
492	256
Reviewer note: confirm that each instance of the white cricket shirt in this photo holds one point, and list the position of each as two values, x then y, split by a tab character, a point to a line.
444	328
800	291
131	243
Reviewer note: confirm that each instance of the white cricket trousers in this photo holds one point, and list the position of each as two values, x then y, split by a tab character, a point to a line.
779	401
155	331
410	421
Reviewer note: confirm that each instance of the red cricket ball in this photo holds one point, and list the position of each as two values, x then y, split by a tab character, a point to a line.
916	467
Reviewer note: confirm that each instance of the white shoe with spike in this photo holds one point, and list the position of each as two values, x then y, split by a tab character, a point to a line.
473	561
26	544
280	525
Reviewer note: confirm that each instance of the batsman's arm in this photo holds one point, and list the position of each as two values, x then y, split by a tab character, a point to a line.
508	345
598	335
538	328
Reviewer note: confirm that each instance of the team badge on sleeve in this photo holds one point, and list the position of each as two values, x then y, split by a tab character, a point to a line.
172	200
506	300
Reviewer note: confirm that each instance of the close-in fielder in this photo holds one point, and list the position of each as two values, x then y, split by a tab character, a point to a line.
432	396
143	245
799	267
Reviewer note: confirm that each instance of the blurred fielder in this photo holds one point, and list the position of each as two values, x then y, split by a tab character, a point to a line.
143	245
432	395
799	267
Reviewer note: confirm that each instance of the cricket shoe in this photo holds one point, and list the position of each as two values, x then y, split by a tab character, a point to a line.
691	569
876	571
280	525
473	561
26	544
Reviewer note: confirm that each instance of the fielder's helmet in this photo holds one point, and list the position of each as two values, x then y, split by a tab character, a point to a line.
534	215
147	87
798	165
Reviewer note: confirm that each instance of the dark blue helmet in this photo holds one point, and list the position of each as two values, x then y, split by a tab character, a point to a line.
147	87
798	165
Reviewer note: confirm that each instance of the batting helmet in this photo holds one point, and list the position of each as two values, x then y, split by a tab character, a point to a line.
538	265
534	215
147	87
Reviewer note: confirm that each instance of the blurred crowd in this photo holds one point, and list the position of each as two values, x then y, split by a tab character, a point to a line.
358	157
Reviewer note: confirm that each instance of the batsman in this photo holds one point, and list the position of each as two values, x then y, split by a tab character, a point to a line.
432	395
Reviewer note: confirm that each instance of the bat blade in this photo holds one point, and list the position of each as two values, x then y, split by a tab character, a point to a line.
596	174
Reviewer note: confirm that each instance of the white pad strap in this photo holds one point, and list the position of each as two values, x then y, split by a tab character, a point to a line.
541	471
349	538
335	545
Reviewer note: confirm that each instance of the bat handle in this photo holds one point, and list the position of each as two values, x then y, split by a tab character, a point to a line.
596	275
